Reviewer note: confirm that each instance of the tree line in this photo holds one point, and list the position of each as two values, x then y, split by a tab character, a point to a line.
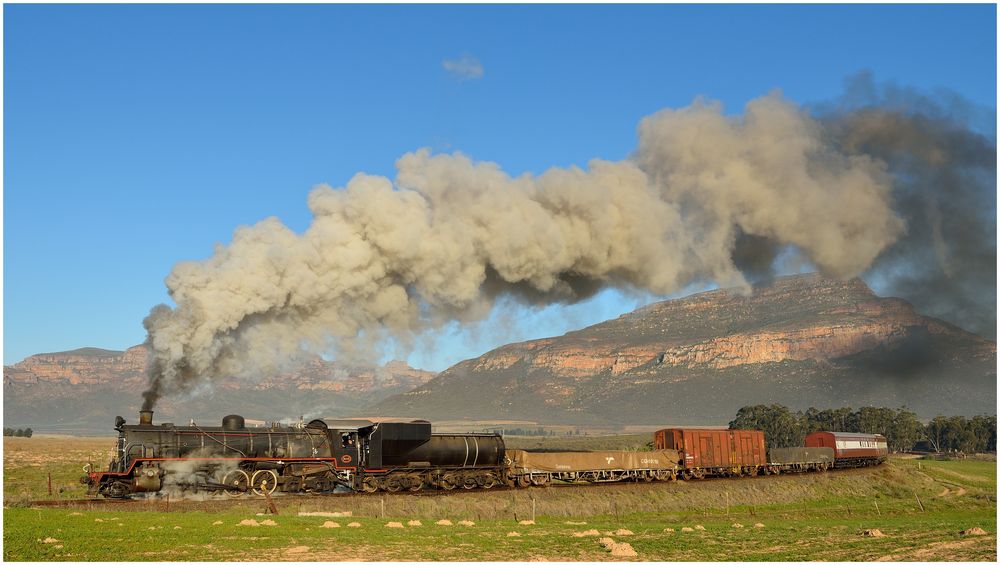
901	428
26	432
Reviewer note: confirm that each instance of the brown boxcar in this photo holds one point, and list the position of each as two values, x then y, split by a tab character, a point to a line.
851	449
716	452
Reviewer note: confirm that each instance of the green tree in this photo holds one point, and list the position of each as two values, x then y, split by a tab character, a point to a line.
28	432
985	430
935	433
905	431
781	427
873	420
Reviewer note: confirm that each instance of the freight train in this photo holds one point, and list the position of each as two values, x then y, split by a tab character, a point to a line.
368	456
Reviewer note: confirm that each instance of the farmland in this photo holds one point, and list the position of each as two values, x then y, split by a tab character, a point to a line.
917	507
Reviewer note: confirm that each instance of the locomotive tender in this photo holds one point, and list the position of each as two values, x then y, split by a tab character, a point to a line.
367	456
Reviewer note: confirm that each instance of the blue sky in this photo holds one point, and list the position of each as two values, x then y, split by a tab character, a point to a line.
139	136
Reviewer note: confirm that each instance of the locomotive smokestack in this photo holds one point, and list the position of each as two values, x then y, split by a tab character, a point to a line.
145	417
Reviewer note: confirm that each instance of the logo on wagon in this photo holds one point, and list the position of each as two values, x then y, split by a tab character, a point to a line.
346	458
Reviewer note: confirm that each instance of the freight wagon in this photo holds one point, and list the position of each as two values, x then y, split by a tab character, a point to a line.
707	452
851	449
792	459
539	469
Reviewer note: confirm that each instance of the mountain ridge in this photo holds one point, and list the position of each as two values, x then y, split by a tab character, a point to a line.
801	340
84	387
833	334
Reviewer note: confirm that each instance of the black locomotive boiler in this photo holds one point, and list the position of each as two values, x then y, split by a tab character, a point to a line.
361	455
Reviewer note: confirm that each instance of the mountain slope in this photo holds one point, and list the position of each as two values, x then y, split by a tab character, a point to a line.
801	341
83	390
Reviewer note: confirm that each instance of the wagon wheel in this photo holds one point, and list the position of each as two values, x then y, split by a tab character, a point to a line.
264	482
469	482
698	473
539	480
370	484
416	483
393	484
522	481
448	482
647	476
489	481
117	489
662	475
238	479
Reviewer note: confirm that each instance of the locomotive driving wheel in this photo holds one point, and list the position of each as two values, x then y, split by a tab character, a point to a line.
237	479
264	481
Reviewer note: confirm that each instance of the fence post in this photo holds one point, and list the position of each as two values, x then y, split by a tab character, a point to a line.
50	483
270	502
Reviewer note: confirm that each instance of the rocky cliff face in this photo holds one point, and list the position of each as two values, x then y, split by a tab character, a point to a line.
803	341
85	389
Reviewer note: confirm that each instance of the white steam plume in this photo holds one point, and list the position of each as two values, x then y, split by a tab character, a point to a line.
394	259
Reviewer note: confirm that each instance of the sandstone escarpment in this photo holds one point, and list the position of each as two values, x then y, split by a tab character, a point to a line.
85	388
806	339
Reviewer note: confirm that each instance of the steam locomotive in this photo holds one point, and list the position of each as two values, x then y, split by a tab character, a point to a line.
320	456
367	456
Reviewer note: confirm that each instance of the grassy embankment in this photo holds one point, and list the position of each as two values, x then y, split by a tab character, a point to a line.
813	516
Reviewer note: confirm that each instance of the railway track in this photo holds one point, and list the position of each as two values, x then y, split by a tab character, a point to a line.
79	502
167	500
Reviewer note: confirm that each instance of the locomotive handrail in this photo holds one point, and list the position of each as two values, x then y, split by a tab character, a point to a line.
222	443
128	449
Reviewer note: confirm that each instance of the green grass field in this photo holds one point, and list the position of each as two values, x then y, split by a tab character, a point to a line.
804	517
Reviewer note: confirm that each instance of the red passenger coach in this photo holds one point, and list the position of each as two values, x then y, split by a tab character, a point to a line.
716	452
851	449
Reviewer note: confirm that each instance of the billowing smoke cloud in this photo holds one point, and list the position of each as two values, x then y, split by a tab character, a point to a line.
449	236
945	179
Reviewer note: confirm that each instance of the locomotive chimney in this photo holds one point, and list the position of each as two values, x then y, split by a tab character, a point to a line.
145	417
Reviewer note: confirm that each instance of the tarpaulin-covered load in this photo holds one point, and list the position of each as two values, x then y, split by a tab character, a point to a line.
527	462
800	455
